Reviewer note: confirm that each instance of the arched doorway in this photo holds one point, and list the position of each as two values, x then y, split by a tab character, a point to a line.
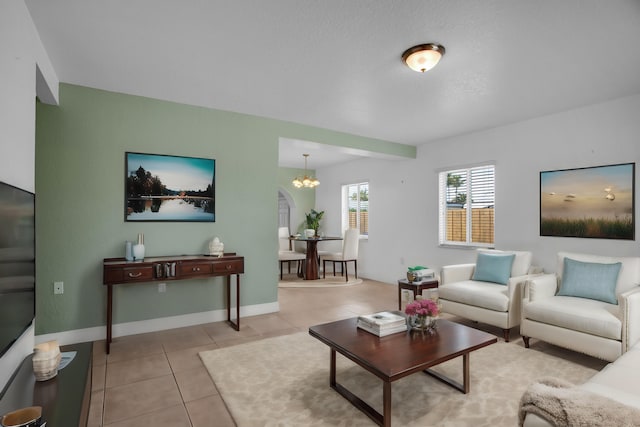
286	210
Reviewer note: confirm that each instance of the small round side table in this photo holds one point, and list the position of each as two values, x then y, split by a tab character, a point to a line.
416	287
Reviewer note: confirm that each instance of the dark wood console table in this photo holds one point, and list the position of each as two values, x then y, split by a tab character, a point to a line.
64	398
118	271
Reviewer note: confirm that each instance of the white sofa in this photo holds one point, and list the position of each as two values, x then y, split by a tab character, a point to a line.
601	329
484	301
611	397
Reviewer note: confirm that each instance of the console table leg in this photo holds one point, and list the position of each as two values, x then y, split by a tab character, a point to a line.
237	302
228	298
109	315
236	324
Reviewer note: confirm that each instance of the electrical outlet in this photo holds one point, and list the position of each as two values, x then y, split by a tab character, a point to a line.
58	288
162	287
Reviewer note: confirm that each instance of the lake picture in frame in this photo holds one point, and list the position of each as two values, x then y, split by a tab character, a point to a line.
592	202
160	187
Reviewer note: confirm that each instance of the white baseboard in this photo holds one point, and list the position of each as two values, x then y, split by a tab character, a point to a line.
160	324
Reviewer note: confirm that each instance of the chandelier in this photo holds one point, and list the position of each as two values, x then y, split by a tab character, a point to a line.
306	180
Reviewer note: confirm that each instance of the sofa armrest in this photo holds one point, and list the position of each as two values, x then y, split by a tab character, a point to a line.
516	283
456	273
539	287
514	290
535	269
630	309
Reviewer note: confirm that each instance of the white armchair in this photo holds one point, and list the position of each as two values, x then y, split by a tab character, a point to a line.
600	317
494	300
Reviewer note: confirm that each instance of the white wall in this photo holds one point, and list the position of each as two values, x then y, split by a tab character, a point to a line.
403	221
23	63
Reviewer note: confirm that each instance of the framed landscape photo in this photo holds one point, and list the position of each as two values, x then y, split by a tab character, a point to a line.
593	202
159	187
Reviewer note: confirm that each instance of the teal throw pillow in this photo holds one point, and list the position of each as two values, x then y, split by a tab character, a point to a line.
493	268
590	280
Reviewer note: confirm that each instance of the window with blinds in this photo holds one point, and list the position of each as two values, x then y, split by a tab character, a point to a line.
355	207
467	206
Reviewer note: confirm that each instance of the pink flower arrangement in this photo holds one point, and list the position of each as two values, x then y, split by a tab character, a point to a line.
422	308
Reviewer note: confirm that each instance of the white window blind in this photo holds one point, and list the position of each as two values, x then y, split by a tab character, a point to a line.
467	206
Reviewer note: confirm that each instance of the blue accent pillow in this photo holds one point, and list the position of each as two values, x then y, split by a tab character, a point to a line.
493	268
590	280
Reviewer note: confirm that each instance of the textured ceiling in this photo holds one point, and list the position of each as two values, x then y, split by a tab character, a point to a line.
336	64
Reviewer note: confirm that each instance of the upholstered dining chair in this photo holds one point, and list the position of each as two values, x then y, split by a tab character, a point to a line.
349	254
285	254
284	244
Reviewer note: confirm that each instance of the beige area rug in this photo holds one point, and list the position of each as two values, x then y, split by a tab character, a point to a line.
284	381
293	281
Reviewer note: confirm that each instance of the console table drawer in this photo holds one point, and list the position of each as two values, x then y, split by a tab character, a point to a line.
194	269
125	275
230	267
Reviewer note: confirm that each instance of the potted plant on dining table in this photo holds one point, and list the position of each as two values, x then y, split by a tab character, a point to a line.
313	222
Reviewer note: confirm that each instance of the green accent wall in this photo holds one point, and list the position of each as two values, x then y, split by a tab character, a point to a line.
80	148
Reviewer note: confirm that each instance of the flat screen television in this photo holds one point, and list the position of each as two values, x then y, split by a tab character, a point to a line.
17	263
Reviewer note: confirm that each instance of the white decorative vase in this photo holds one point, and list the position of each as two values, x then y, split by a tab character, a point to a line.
138	252
46	359
309	232
138	249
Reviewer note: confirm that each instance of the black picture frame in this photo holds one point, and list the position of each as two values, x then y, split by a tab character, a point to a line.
590	202
168	188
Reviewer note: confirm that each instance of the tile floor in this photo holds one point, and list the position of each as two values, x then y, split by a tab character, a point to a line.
157	379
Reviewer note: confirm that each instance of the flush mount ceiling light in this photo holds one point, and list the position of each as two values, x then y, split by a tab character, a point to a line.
306	180
423	57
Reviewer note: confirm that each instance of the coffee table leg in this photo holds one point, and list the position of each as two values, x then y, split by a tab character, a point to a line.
465	372
386	404
332	369
383	419
465	386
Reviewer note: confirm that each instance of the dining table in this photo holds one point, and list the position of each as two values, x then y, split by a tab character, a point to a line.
312	262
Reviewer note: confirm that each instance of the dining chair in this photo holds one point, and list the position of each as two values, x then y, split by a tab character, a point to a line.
285	254
349	254
288	257
284	244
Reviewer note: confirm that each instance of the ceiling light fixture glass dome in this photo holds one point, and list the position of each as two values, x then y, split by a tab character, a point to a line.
423	57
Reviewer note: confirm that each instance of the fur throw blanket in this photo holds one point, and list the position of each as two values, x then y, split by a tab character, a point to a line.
563	405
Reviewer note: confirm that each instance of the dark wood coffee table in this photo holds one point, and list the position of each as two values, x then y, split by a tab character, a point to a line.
398	355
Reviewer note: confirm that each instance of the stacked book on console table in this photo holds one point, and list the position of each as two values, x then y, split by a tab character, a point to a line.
383	323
